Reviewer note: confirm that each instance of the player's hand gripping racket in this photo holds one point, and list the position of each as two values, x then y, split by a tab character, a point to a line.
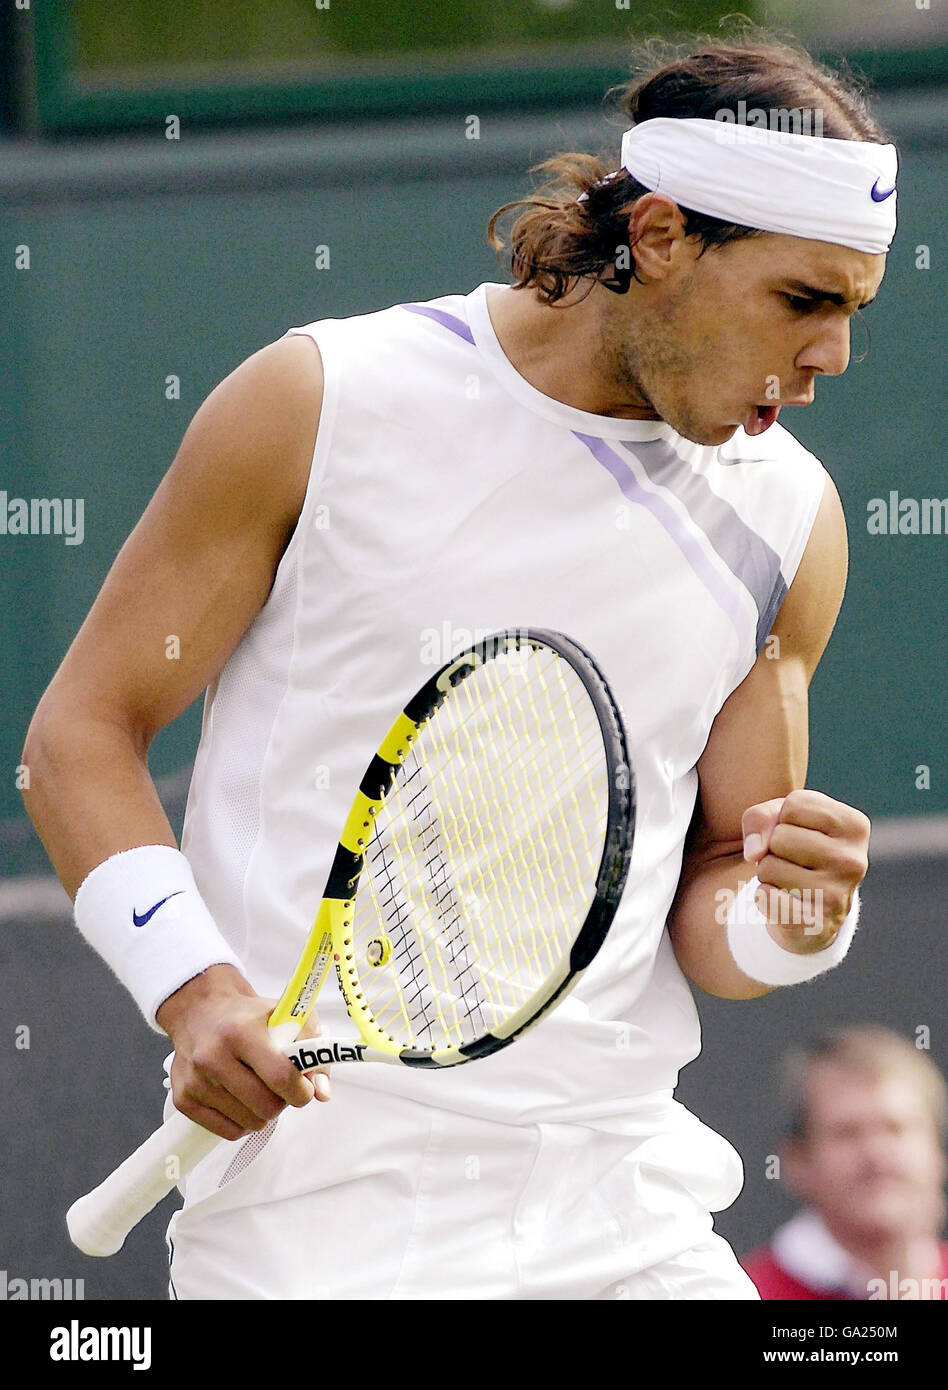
476	876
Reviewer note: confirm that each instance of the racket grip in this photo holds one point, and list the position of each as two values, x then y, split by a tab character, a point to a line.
99	1222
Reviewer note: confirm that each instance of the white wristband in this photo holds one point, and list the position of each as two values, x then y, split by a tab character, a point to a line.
759	956
141	910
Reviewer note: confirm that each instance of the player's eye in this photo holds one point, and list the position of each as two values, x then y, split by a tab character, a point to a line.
800	304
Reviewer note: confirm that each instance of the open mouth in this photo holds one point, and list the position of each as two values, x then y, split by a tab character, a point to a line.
759	418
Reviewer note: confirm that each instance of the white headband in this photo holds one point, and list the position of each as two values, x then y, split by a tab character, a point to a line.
800	185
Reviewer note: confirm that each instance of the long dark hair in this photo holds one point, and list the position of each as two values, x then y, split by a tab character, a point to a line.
559	241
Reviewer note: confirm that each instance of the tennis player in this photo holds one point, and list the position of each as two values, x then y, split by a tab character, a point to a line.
595	449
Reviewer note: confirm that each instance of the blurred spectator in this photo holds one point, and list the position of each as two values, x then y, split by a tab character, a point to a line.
864	1151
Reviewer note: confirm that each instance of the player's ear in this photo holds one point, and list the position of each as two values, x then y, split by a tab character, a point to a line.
657	233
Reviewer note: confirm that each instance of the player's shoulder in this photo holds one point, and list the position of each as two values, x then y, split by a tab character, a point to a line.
275	395
273	389
289	365
410	319
254	435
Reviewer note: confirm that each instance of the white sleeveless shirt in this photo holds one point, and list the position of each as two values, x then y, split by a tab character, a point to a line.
449	498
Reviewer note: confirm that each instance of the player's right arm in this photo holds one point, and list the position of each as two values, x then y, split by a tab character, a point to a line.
197	568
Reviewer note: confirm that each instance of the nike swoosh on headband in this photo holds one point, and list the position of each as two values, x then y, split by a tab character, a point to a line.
147	916
880	197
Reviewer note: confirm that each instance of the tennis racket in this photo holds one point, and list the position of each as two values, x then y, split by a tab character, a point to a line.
476	877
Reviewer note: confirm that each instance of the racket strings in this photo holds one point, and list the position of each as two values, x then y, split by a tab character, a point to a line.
425	960
484	856
533	859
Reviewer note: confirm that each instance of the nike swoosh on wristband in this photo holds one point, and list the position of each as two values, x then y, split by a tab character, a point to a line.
147	916
880	197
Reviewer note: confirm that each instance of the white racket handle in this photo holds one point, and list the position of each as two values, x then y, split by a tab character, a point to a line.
99	1222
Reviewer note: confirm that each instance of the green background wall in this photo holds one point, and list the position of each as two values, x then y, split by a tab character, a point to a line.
151	258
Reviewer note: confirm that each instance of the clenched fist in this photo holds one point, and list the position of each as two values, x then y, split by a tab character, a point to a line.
810	853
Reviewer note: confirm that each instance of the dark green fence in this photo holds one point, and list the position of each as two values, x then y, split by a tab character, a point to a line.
151	259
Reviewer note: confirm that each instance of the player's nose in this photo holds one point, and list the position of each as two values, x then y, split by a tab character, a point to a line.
827	354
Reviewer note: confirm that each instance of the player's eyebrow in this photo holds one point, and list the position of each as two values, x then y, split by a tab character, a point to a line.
825	296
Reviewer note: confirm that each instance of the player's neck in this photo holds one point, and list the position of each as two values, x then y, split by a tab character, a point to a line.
556	349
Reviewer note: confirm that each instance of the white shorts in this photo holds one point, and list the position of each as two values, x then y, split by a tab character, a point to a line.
372	1196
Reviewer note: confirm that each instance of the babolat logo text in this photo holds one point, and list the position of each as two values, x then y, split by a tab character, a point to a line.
76	1343
341	980
306	1057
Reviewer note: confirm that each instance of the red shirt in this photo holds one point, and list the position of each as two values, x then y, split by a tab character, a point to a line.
774	1283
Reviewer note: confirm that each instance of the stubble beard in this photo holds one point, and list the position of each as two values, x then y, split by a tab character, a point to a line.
646	363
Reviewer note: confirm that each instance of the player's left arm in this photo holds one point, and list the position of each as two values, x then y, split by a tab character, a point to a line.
752	776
